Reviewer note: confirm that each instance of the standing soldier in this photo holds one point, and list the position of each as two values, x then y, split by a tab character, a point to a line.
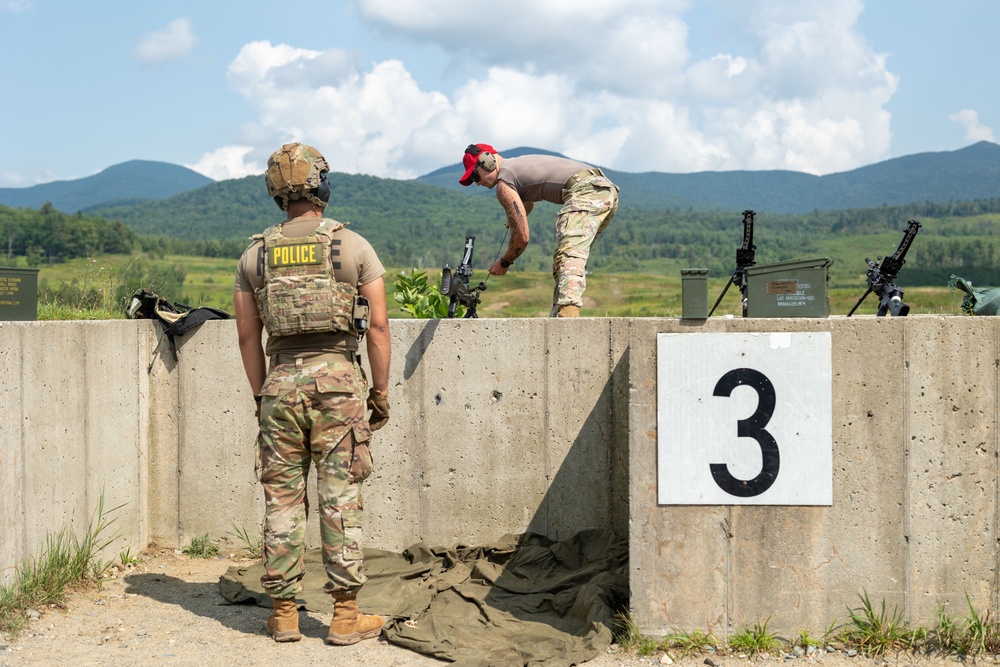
317	288
588	199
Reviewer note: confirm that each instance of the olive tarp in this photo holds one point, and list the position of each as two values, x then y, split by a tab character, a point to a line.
977	300
524	600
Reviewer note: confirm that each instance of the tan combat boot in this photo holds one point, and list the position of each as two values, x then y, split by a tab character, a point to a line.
349	625
568	311
283	623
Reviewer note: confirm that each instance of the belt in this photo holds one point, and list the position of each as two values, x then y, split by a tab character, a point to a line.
344	355
581	175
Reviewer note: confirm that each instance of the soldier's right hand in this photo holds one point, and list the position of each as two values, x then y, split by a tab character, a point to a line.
378	403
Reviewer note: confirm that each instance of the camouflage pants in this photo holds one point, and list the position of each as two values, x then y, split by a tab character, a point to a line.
588	207
313	413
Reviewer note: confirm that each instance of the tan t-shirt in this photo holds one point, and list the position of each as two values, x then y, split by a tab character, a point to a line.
538	177
358	265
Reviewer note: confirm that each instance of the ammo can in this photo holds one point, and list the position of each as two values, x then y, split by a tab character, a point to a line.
796	288
694	294
18	294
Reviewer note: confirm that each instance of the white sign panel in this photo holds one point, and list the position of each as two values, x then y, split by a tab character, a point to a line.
744	419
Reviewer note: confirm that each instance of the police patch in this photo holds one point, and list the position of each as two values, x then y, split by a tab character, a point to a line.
298	254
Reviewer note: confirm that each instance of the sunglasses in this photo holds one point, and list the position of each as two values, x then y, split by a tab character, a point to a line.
475	174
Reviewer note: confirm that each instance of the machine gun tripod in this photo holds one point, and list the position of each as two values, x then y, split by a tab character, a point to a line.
745	258
881	277
455	284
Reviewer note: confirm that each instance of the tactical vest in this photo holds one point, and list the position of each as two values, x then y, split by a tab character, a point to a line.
301	293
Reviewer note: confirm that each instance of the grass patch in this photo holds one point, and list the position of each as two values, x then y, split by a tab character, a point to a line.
871	630
201	547
126	557
630	638
252	544
876	632
65	561
91	289
690	643
754	640
973	635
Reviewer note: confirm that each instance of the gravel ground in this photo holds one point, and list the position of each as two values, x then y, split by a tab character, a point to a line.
167	610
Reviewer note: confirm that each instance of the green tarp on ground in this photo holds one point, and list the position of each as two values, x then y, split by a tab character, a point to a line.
524	600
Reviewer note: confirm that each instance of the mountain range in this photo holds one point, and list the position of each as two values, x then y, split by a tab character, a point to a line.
969	173
134	181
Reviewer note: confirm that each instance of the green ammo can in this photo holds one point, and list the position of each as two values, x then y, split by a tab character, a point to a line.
796	288
694	294
18	294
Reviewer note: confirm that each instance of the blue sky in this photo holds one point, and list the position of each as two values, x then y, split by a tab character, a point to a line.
398	88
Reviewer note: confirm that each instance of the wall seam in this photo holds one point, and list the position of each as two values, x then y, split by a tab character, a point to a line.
422	510
613	430
546	450
730	601
908	605
87	500
25	549
995	592
142	404
181	423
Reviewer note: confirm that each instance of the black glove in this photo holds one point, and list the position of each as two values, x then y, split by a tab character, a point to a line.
378	403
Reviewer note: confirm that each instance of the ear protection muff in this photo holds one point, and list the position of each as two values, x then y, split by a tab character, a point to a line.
321	192
487	161
323	189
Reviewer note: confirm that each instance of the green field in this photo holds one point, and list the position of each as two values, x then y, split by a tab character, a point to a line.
209	282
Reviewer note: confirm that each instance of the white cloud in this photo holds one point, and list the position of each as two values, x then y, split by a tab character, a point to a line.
174	41
227	162
14	179
615	86
362	121
974	130
628	45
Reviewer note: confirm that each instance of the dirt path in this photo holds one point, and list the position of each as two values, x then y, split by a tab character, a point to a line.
167	610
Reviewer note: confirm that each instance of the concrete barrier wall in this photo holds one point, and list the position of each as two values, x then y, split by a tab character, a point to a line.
74	418
543	425
913	521
497	426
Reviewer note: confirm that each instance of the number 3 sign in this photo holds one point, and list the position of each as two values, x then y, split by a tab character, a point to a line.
744	419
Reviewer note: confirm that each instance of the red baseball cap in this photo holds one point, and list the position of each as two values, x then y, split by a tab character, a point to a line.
471	159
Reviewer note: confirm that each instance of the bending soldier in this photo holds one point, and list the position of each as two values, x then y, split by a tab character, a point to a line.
589	201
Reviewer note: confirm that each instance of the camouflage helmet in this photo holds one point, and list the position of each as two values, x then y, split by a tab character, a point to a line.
296	171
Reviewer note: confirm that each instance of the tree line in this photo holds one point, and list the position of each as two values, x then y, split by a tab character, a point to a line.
49	236
956	236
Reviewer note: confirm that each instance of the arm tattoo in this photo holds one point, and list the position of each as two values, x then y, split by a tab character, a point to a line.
517	217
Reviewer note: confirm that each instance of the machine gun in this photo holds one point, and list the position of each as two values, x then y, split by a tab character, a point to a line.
455	284
745	258
880	278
